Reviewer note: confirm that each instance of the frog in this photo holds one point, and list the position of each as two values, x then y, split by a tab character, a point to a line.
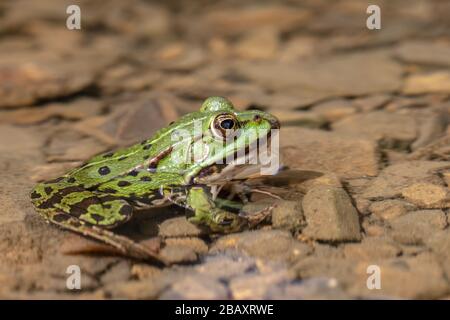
108	190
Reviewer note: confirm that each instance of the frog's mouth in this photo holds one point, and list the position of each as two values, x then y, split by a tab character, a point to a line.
245	164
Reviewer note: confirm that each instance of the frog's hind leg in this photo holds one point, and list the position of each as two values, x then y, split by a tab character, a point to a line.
90	213
123	244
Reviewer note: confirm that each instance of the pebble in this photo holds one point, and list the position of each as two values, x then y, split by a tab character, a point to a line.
414	227
427	195
330	215
389	209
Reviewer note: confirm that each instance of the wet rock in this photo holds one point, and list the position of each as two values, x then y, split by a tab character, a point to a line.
435	82
118	272
229	21
394	178
424	52
372	249
195	287
305	119
391	129
314	78
178	227
335	110
179	250
258	44
412	277
310	289
328	152
432	128
372	102
287	215
226	266
143	289
265	244
389	209
175	254
439	243
427	195
257	286
416	226
143	271
330	215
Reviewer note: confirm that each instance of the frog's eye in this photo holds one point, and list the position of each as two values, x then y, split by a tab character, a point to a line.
224	125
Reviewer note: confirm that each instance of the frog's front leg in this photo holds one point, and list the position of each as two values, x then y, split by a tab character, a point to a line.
206	212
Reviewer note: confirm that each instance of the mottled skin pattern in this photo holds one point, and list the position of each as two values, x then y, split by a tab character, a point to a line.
104	192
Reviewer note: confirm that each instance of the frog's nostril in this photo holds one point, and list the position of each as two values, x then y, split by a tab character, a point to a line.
274	123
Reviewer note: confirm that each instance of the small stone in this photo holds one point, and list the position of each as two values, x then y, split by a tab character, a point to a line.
256	286
118	272
317	288
178	227
372	102
196	244
419	277
393	130
265	244
225	266
178	254
258	44
330	215
143	289
335	109
424	52
196	287
389	209
143	271
318	150
434	82
415	227
427	195
287	215
372	249
305	119
394	178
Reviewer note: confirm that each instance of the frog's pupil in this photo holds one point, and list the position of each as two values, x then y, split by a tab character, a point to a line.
227	124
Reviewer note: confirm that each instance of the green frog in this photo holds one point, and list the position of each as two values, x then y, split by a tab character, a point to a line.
185	163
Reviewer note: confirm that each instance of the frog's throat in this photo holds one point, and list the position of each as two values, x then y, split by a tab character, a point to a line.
242	167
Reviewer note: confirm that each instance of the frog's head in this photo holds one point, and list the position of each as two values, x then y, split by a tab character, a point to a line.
224	139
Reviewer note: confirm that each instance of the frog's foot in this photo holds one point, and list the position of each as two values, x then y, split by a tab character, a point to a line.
255	218
219	221
123	244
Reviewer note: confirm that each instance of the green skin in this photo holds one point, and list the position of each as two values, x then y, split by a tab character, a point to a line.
103	193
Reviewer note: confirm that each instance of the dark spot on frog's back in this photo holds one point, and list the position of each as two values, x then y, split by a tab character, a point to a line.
133	173
122	158
104	170
97	217
123	183
147	146
126	210
146	178
48	190
71	180
108	155
61	217
54	180
35	195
